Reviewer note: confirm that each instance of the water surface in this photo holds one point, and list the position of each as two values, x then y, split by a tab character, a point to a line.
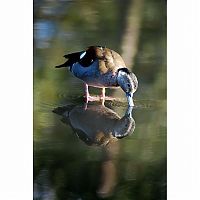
99	152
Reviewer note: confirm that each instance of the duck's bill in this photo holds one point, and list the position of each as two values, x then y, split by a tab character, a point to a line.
129	111
130	99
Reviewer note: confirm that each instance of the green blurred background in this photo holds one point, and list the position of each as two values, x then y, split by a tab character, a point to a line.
64	166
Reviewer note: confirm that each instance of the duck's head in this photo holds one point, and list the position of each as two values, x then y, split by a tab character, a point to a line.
128	82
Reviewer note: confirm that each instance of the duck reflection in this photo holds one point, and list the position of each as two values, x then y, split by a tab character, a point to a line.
97	125
100	126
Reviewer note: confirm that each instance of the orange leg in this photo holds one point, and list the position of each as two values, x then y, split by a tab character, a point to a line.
87	95
103	95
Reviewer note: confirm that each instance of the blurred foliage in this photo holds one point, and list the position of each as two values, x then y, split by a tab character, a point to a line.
72	169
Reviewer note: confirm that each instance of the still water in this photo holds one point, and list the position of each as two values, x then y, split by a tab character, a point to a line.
102	152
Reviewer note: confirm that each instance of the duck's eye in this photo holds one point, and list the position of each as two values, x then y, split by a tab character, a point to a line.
128	85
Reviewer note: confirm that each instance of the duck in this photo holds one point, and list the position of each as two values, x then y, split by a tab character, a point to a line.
101	67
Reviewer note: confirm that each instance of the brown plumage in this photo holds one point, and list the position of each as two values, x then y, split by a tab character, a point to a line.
108	59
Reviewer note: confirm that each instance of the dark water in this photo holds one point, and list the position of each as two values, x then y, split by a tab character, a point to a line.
100	152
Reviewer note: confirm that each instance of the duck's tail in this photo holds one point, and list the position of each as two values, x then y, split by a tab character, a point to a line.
72	58
62	65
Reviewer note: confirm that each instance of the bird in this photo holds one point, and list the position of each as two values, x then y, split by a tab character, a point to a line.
101	67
